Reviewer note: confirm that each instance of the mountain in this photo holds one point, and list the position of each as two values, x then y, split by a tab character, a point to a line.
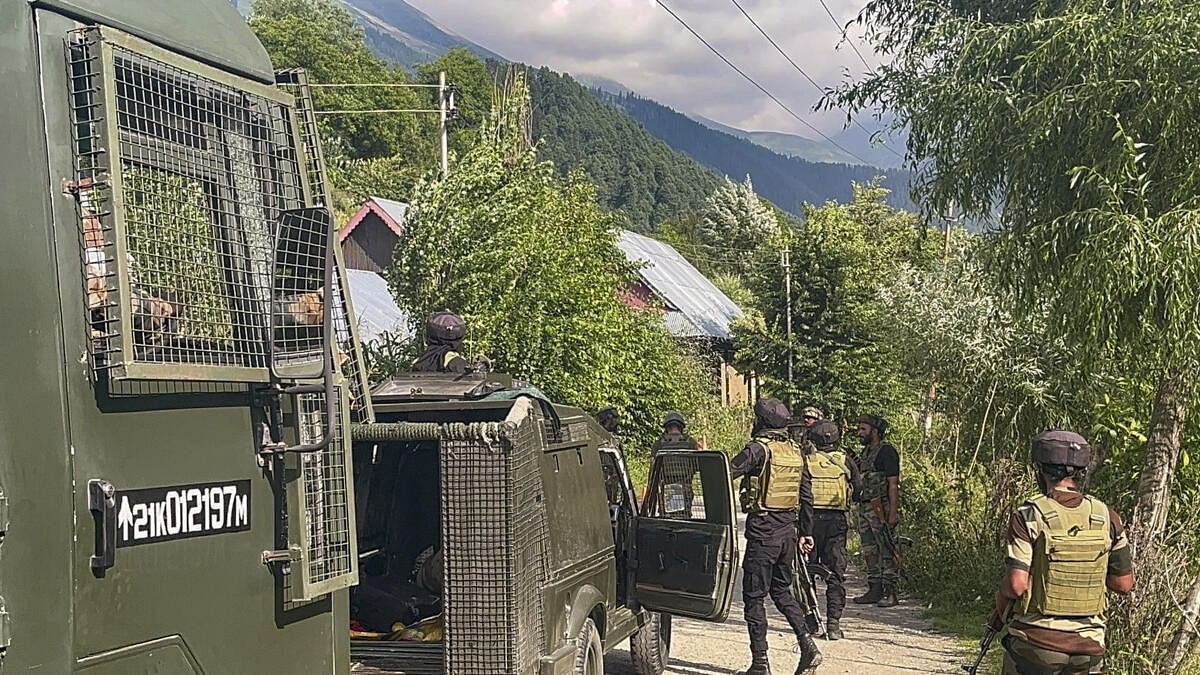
795	145
789	182
604	84
402	34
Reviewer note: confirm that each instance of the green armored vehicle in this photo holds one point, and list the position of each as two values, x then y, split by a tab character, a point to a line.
545	558
174	452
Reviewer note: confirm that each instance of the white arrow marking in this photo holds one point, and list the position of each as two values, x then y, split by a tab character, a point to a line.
125	518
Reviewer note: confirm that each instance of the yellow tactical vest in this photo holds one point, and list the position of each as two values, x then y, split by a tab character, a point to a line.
1070	559
830	480
777	487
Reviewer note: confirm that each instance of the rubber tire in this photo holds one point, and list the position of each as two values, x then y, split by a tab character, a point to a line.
650	647
589	655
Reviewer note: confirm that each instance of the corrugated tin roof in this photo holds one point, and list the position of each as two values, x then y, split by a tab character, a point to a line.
395	209
376	309
702	309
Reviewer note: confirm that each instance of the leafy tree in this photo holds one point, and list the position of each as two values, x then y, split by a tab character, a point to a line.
1076	121
839	258
531	262
475	82
735	227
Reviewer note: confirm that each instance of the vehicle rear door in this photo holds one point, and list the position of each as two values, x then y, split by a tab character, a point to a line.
686	546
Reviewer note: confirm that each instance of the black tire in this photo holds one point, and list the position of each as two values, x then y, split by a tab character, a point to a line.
589	652
650	647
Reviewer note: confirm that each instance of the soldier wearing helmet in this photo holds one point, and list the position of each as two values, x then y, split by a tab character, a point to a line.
835	483
880	494
674	435
1065	549
776	492
799	426
444	333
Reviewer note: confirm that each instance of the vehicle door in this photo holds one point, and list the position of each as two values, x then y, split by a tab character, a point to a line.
685	537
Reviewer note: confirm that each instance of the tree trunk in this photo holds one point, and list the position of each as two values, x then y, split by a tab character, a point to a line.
927	413
1185	636
1162	455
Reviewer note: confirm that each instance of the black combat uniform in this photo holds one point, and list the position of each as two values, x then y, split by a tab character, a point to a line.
836	483
772	534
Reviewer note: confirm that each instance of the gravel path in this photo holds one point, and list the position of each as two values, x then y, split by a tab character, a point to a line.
894	641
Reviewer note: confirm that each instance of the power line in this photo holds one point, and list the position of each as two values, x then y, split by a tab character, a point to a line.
844	37
802	71
758	86
348	85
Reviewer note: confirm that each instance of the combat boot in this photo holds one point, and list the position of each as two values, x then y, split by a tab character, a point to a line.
758	666
833	631
810	656
888	596
872	596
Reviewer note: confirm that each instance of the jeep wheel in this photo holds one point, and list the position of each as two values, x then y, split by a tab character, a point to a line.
650	647
589	657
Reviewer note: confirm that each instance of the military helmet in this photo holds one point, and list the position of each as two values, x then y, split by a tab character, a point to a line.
772	413
1064	448
675	417
824	434
812	411
606	414
445	326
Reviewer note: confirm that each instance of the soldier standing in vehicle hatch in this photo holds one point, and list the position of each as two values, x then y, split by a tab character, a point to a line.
1057	602
444	333
879	509
777	494
835	484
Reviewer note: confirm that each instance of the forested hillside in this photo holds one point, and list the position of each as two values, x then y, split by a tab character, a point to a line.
789	182
633	171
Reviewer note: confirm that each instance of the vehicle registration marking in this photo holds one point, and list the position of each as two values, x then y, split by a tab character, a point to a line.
157	514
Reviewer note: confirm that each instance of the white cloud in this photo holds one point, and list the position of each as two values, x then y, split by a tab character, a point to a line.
638	44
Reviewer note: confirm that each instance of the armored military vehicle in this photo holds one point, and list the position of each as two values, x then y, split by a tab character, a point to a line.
547	561
174	459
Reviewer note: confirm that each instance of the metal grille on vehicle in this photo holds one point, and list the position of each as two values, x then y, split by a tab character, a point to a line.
182	172
324	520
494	538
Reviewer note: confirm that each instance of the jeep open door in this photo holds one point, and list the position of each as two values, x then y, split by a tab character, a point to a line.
686	546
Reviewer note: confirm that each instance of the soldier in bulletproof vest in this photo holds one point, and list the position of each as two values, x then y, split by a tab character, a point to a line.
879	511
609	419
674	435
776	492
444	333
1065	548
835	483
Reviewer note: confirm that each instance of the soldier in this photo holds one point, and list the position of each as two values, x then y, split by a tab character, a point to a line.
811	415
1058	601
444	333
879	509
776	492
610	421
799	428
834	484
674	436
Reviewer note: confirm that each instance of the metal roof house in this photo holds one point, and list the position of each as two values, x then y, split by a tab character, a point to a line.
375	310
693	307
369	238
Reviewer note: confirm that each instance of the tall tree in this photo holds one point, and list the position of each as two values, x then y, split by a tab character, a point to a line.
1076	120
735	227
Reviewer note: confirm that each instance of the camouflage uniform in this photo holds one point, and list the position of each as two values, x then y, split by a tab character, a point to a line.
881	567
1038	644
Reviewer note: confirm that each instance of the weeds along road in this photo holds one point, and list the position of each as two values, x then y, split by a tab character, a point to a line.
895	641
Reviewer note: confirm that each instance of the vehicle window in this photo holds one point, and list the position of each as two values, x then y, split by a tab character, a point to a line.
687	486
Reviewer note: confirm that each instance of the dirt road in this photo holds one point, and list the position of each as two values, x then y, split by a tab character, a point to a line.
895	641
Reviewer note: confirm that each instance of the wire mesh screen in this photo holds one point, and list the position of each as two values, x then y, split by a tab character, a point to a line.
183	172
349	357
678	489
301	247
494	538
328	547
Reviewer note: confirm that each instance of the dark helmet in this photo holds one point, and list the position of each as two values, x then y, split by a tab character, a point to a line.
772	413
605	414
875	421
675	417
444	327
824	434
1061	448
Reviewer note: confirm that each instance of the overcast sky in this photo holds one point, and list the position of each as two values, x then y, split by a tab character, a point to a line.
638	44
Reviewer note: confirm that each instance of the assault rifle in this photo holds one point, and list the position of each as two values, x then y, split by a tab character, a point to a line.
993	628
891	541
806	591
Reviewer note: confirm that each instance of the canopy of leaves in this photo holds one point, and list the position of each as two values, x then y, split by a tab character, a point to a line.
530	260
1077	118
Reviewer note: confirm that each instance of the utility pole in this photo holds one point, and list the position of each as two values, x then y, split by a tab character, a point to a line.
445	105
785	261
931	393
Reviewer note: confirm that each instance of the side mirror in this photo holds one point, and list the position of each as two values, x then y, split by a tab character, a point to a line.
300	330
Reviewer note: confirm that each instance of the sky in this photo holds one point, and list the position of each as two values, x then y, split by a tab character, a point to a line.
640	45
